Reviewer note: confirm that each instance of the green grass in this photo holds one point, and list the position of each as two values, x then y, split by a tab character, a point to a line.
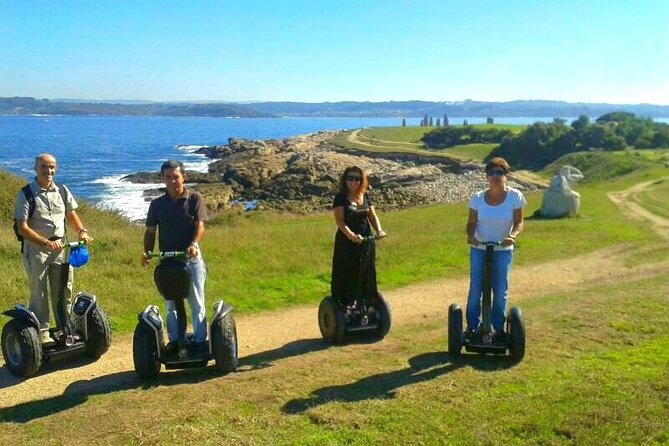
408	140
593	374
476	151
385	147
596	369
604	166
656	198
410	134
413	134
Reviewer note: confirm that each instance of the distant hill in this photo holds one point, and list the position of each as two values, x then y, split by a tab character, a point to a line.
28	106
400	109
466	108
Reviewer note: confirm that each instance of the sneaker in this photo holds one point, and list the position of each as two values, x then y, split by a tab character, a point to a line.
500	337
171	347
469	335
46	339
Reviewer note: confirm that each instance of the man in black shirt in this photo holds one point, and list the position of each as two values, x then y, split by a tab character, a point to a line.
179	215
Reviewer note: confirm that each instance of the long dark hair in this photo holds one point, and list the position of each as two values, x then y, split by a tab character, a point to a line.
353	170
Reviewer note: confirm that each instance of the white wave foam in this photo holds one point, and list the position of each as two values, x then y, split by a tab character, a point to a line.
197	166
125	197
190	147
199	163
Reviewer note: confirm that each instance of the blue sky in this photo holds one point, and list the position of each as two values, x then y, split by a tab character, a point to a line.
590	51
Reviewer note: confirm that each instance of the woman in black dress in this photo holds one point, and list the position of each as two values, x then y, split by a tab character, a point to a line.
354	213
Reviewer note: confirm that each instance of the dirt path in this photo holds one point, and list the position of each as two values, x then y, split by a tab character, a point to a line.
356	137
625	201
415	304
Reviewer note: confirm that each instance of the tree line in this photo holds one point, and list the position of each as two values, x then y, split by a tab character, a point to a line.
445	137
542	143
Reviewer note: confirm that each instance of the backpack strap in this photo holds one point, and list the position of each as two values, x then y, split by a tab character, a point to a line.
63	191
30	198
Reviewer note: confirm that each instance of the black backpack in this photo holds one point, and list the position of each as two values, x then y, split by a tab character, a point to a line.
30	198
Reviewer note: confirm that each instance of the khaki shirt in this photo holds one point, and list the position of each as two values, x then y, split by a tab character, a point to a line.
48	220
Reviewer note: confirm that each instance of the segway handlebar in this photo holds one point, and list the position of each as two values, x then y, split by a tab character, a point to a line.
73	245
167	255
373	237
484	244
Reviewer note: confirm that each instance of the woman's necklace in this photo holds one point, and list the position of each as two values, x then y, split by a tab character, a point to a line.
355	199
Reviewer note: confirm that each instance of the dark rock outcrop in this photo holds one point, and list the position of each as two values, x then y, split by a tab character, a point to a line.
301	174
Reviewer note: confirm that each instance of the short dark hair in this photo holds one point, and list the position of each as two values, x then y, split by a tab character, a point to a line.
172	164
500	162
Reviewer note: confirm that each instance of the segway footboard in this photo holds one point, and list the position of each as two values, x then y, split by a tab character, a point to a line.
482	347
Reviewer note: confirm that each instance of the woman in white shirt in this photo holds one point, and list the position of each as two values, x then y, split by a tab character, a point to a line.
495	215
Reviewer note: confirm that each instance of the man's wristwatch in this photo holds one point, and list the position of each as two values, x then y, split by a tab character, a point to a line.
83	230
196	244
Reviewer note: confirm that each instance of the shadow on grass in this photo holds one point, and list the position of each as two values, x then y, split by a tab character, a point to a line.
265	359
7	379
78	392
423	367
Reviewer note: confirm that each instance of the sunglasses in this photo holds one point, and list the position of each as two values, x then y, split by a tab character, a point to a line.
496	173
353	178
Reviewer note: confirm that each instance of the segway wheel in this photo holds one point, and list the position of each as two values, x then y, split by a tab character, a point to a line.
145	353
384	316
331	321
516	338
454	330
21	348
99	334
224	344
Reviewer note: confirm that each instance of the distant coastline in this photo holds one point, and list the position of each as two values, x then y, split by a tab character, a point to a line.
387	109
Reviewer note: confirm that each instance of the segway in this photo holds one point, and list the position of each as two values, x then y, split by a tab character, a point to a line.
367	314
85	331
482	339
173	280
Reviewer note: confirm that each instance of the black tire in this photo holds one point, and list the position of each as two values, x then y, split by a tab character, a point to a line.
99	334
454	330
516	329
331	321
145	352
224	344
21	348
384	316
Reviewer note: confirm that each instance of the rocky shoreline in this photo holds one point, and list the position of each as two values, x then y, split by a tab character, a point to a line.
300	175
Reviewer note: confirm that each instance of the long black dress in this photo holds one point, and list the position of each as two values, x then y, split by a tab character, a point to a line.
345	285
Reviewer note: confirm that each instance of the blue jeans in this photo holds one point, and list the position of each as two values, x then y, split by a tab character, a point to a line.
195	302
501	266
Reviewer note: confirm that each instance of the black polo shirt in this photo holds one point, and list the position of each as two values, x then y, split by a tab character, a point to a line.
175	218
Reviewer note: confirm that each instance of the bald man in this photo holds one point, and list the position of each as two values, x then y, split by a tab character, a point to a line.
44	238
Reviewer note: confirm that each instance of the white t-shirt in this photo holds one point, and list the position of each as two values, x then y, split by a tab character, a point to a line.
494	223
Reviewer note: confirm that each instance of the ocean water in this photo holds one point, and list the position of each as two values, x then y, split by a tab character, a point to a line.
95	152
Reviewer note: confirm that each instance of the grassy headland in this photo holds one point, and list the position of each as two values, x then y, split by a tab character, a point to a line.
410	140
264	261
